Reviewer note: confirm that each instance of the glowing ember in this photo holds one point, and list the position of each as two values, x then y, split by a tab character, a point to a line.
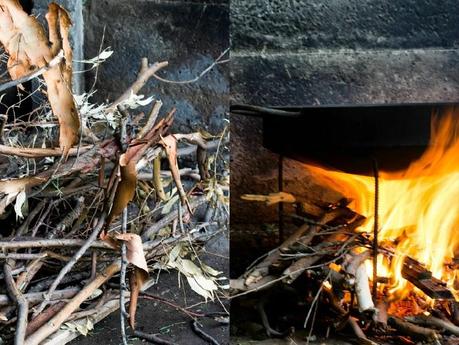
419	207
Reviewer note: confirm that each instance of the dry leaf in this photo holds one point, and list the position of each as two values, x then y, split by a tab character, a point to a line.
197	279
20	201
210	270
170	145
175	252
10	189
136	257
125	191
134	254
198	289
126	188
136	280
25	41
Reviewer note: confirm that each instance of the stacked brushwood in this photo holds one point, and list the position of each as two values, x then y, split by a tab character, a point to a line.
109	201
323	262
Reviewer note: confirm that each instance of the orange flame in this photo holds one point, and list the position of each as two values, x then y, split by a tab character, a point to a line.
419	207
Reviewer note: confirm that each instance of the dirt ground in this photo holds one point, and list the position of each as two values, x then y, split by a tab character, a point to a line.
294	341
154	317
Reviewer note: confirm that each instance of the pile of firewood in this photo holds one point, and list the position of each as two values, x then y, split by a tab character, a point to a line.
323	262
109	201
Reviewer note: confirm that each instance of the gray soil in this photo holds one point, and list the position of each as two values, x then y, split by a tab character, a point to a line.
295	341
171	325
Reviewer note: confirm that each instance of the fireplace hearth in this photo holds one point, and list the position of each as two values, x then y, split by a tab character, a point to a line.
380	261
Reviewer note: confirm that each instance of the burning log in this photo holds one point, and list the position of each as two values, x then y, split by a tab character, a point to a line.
413	331
431	321
350	321
417	274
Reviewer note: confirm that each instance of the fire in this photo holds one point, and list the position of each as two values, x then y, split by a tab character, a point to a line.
418	207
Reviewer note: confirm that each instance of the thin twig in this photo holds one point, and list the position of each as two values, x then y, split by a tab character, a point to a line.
152	338
96	74
150	296
22	256
146	72
202	74
36	152
21	301
203	335
123	288
37	297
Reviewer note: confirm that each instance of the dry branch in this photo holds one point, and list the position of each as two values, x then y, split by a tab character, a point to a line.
53	325
37	297
33	152
146	72
21	301
72	262
42	318
42	243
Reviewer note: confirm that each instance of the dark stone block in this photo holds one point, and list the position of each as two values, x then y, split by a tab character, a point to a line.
339	77
368	24
211	2
189	35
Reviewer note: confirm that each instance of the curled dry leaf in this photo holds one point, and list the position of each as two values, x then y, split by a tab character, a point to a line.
126	188
125	191
170	145
137	278
139	275
25	41
135	254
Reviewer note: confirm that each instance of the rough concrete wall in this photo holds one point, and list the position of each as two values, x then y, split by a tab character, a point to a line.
346	51
304	52
188	34
363	24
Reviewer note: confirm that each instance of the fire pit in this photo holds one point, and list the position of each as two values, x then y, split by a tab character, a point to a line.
380	260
